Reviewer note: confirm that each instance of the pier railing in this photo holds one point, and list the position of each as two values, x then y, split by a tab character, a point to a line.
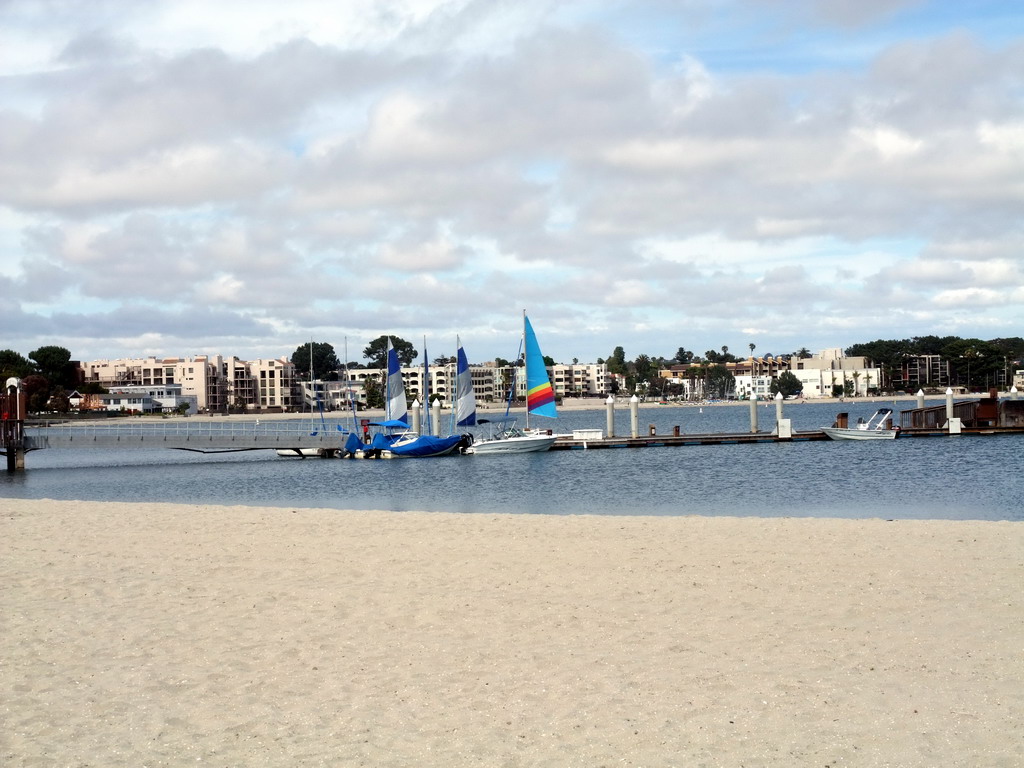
235	434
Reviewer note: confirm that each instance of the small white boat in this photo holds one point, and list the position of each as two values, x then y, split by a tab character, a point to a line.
511	439
300	453
872	429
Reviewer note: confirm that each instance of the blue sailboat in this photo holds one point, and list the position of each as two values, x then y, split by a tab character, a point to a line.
396	439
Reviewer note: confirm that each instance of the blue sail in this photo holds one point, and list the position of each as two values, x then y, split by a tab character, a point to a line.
396	408
540	396
465	401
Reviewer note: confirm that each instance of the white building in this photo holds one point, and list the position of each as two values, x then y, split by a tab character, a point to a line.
491	383
142	399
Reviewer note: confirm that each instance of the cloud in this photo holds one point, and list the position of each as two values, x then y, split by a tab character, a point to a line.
674	173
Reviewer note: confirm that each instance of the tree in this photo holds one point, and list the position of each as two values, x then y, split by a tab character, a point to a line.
683	356
59	401
374	392
718	381
643	368
617	362
377	351
55	364
442	360
13	364
37	392
973	360
325	363
787	383
803	353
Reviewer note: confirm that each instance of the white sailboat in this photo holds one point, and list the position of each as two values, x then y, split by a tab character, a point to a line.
505	436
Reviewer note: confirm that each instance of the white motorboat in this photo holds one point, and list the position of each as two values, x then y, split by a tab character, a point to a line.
874	428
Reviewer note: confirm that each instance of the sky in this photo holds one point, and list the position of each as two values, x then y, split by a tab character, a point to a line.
180	177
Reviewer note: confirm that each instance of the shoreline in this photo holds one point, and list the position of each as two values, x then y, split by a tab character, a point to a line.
166	634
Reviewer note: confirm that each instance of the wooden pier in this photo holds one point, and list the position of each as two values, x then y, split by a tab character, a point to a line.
677	440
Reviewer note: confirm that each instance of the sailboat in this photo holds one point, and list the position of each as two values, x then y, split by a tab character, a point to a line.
540	401
397	440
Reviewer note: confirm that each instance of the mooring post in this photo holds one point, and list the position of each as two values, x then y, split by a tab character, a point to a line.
634	415
417	416
778	407
609	411
920	398
753	412
949	404
1013	392
435	409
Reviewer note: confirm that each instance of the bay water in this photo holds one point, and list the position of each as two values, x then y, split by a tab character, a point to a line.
967	477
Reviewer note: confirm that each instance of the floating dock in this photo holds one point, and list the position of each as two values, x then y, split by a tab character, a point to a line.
572	443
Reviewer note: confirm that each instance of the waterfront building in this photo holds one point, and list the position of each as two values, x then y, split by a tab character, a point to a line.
217	383
819	374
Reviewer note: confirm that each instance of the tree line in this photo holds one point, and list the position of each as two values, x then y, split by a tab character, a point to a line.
47	374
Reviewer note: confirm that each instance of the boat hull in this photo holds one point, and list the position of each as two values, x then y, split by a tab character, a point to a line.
300	453
523	444
424	446
839	433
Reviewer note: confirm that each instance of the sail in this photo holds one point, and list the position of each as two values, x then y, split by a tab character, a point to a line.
396	407
540	397
465	401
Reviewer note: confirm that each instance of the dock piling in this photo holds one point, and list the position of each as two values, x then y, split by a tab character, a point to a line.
436	413
609	409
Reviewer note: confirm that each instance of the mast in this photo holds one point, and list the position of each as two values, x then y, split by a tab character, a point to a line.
526	372
426	384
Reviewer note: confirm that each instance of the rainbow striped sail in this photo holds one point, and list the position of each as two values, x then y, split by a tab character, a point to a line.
540	397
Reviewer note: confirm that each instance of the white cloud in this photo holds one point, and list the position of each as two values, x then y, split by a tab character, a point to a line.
652	169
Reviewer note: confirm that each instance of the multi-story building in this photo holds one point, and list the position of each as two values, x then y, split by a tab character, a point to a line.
580	380
924	371
491	383
218	384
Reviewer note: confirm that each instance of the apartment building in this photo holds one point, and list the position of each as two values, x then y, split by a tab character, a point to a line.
491	383
217	383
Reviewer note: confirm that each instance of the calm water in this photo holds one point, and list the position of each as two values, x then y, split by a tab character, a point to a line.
954	478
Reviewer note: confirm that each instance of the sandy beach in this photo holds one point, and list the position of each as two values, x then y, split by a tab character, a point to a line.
171	635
